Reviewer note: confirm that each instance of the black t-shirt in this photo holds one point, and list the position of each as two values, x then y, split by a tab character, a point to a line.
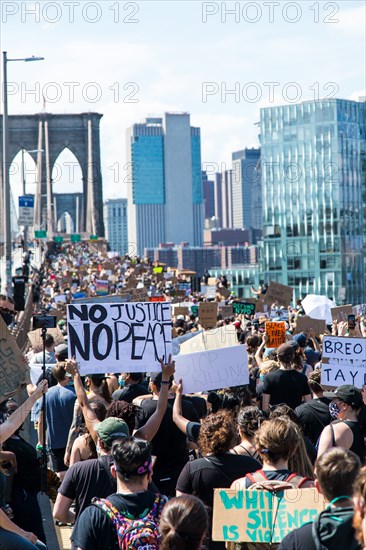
87	479
200	477
129	393
199	404
286	386
28	476
95	531
169	444
314	416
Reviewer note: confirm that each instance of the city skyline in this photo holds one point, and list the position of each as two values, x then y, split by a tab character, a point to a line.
132	62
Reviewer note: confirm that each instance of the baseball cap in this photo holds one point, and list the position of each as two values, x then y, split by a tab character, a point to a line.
301	339
61	351
348	394
112	428
286	352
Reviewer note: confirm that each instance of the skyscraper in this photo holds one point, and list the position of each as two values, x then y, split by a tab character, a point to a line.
227	199
115	223
165	183
244	176
208	195
313	163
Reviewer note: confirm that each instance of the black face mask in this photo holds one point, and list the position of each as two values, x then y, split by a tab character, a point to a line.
7	318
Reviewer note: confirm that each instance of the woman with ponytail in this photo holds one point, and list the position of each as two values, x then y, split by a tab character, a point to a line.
183	523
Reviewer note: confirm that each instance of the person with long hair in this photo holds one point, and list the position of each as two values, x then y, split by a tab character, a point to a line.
183	523
218	467
359	502
249	420
84	447
276	441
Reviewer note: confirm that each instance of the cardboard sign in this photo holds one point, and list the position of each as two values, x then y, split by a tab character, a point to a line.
225	292
207	314
101	288
217	338
209	370
360	310
276	332
181	310
243	308
139	294
59	314
13	370
278	294
304	323
37	342
260	516
341	313
211	281
225	311
124	337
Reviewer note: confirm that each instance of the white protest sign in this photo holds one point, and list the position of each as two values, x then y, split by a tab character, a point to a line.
340	374
122	337
360	310
214	369
339	347
36	371
346	361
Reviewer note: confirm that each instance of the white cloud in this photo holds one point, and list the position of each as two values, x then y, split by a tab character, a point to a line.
351	20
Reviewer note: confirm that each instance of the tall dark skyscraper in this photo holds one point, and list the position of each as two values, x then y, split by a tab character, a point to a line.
245	192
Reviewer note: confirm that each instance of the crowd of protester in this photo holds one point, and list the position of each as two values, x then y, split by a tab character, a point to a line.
137	461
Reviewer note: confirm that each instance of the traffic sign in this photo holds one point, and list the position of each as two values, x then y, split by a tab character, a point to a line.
75	238
40	234
58	239
26	210
93	237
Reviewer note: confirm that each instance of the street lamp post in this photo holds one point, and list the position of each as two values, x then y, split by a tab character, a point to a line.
6	181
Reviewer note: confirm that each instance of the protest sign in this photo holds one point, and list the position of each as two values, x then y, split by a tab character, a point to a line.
13	370
244	308
181	310
340	313
59	314
207	314
211	281
225	311
158	269
360	310
101	287
262	516
78	295
36	371
303	324
340	347
276	332
209	370
60	298
123	337
139	294
210	292
37	342
278	294
157	299
225	292
216	338
111	298
338	374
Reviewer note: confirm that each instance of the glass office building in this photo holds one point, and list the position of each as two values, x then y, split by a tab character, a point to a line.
245	189
164	183
313	165
115	223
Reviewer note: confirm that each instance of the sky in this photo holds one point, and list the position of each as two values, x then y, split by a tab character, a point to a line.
129	60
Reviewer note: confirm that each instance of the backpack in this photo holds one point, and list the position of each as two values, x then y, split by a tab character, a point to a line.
141	533
260	482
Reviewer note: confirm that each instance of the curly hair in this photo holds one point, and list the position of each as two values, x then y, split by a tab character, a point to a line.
126	411
249	420
218	433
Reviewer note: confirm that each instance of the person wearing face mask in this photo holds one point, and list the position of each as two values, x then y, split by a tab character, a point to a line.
345	431
131	386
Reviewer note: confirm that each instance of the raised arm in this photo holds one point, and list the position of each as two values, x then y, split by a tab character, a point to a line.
91	419
259	352
149	430
178	417
17	418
